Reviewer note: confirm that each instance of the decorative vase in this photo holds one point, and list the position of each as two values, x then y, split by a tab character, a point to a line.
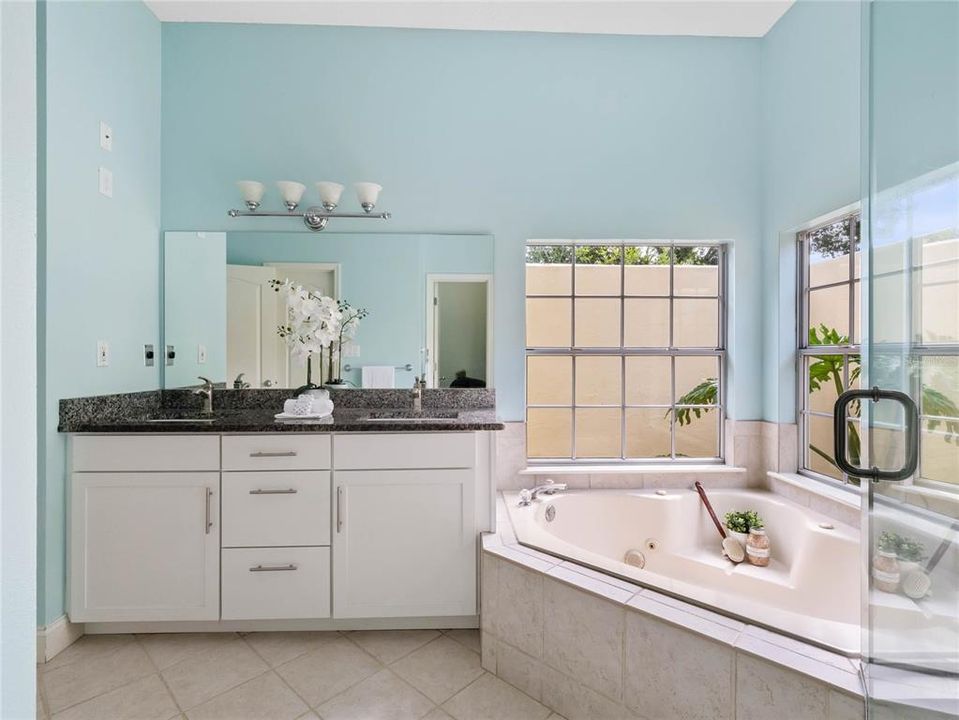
757	547
908	566
741	536
886	572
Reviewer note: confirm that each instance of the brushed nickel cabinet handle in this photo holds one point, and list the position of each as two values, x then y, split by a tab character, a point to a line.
273	568
288	453
261	491
339	508
209	510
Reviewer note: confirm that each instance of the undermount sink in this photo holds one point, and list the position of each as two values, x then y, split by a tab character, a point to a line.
411	415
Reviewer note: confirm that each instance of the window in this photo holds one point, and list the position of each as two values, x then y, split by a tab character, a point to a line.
624	351
915	283
829	351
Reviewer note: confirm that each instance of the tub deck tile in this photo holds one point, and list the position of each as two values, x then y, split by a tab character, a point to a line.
646	603
847	681
590	585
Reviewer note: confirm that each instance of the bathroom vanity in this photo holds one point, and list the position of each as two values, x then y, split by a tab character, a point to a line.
371	518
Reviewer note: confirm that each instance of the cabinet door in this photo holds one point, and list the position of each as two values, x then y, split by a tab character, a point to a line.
404	543
144	546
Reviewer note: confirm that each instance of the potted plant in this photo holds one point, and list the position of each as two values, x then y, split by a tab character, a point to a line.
885	565
740	522
313	323
908	550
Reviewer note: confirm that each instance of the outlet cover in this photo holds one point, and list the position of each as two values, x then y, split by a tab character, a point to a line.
201	354
103	353
106	136
105	178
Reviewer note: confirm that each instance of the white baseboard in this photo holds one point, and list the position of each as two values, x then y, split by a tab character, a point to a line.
57	637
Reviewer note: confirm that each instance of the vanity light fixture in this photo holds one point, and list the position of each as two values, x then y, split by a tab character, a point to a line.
315	218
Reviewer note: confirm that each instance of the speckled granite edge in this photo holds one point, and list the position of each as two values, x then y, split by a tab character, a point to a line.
253	411
75	411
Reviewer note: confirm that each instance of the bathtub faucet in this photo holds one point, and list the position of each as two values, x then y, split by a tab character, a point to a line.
547	488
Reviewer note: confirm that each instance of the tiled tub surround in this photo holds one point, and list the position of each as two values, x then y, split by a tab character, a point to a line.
594	647
681	551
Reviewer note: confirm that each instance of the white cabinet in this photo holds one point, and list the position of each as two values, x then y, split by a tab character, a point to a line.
404	543
144	546
269	509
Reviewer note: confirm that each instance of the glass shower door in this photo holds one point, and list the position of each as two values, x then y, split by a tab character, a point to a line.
911	354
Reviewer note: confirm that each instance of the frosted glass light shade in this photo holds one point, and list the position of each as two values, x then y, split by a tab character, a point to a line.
291	192
367	193
252	192
329	193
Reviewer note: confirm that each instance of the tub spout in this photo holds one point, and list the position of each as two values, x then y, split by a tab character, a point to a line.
547	488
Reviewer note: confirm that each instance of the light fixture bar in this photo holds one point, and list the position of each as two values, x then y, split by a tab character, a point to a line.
315	218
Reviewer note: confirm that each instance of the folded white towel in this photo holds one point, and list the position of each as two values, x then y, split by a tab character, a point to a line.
379	376
313	404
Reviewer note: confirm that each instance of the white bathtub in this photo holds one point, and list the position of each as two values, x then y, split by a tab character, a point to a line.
811	588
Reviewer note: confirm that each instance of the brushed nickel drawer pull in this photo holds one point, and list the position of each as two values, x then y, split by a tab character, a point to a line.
288	453
261	491
209	510
339	508
272	568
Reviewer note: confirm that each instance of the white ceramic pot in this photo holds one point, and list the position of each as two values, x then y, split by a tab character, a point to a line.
741	536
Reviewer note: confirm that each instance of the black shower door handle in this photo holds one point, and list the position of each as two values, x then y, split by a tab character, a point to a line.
912	434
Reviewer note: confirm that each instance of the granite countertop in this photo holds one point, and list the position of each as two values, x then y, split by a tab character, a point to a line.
253	411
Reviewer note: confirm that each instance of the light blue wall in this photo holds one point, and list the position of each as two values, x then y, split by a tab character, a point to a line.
194	308
810	162
384	273
18	359
515	134
102	267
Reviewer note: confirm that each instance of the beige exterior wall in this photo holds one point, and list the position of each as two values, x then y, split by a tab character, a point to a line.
599	380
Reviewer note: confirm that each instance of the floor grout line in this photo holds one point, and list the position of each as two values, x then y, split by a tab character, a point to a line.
156	667
283	679
105	692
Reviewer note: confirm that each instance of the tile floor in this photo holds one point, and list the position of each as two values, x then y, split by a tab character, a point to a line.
365	675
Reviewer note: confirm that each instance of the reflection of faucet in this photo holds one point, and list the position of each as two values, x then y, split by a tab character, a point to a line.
206	392
418	387
240	383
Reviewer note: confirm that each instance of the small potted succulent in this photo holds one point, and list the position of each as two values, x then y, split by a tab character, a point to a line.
886	572
909	551
739	523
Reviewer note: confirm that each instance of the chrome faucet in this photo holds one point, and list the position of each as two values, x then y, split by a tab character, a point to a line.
206	392
419	385
240	383
547	488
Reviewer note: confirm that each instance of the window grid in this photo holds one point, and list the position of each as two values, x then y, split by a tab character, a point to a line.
623	351
807	351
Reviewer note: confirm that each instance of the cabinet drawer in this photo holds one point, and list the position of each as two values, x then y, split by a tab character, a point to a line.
276	508
399	451
120	453
276	452
276	583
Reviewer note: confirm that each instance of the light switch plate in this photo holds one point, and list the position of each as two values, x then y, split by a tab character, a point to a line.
170	355
103	353
149	357
201	354
105	178
106	136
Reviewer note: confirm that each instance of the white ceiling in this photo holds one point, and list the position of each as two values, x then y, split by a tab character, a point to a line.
726	18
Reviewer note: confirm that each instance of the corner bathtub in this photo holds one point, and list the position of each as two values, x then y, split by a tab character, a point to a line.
810	590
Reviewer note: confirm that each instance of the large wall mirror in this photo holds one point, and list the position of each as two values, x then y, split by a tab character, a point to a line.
428	302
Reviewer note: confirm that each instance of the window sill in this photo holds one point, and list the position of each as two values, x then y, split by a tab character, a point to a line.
848	496
628	469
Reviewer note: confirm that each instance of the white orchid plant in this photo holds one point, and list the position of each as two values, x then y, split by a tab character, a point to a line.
313	323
